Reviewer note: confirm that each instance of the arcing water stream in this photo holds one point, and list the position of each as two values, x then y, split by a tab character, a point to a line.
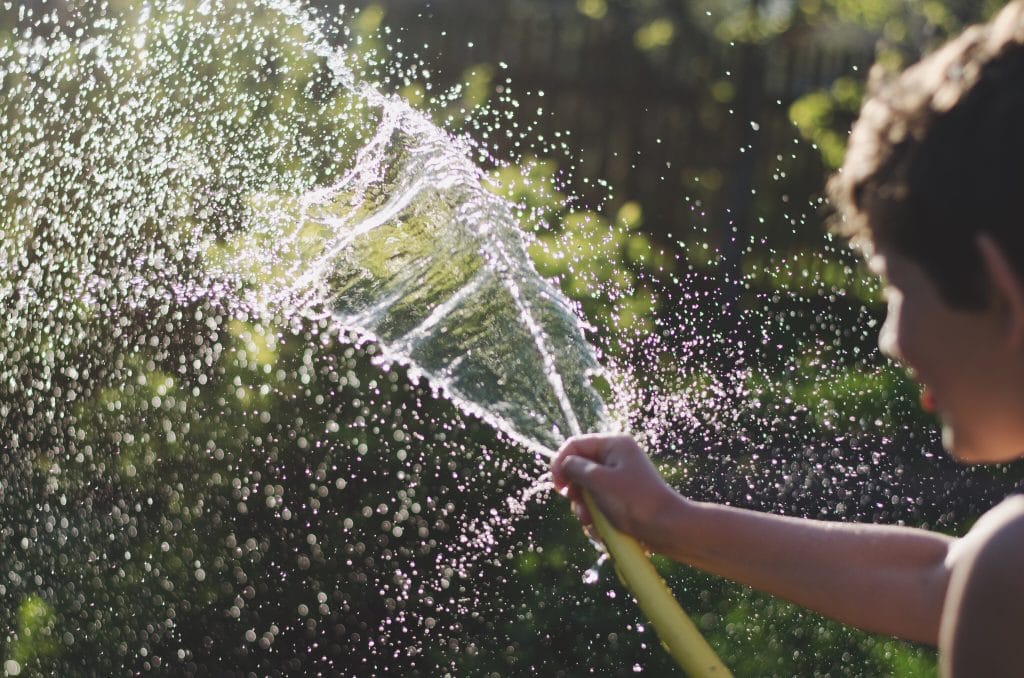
200	203
411	250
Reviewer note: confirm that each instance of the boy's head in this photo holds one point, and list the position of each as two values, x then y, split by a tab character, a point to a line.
937	157
932	185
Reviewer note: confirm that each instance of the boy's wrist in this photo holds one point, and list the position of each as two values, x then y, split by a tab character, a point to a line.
668	526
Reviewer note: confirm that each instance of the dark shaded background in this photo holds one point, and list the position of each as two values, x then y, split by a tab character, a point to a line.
360	528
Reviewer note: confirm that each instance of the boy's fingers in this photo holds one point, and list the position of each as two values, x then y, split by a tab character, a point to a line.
574	495
581	512
582	472
592	446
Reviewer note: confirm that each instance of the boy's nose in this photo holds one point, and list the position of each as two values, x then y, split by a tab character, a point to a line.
888	342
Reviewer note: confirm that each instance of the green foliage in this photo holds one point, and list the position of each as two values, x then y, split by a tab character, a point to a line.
592	9
656	34
237	471
33	643
596	261
824	117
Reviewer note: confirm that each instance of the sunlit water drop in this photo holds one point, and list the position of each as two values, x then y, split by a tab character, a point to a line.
593	573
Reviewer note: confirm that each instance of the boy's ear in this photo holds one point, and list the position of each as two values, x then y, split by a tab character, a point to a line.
1007	285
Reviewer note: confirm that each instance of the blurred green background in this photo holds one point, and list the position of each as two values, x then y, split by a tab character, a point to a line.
281	505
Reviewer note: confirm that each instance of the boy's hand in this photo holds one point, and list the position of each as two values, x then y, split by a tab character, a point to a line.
620	478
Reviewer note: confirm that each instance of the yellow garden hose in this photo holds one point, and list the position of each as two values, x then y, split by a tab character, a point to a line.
675	629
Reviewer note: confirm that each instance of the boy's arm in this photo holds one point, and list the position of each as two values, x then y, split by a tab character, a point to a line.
884	579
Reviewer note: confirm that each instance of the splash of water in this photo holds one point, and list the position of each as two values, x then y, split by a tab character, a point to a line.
187	432
411	249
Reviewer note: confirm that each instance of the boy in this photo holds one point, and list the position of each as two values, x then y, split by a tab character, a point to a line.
930	188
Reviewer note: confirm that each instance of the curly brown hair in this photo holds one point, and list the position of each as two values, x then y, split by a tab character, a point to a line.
937	157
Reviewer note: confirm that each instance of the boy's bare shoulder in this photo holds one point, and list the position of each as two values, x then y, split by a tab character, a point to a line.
983	615
996	542
1000	522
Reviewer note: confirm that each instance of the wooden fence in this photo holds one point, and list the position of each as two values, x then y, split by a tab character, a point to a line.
664	126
